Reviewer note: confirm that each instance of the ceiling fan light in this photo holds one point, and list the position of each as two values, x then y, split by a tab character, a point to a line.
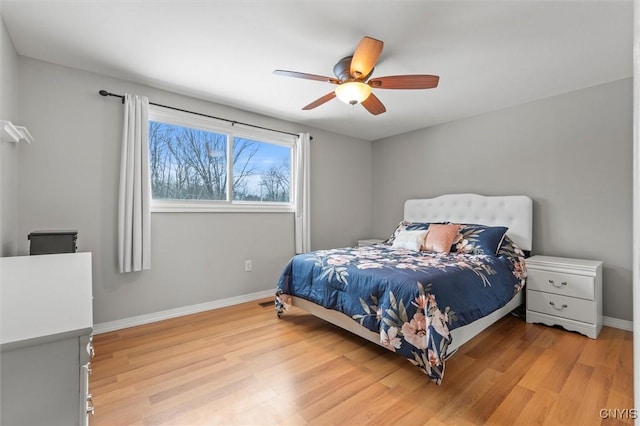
353	92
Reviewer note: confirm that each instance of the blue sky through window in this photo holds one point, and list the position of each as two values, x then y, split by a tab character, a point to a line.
270	163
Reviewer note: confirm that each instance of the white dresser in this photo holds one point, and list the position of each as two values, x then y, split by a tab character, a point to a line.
565	292
46	321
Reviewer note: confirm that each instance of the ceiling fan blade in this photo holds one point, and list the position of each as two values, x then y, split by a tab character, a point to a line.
306	76
365	57
417	81
320	101
373	105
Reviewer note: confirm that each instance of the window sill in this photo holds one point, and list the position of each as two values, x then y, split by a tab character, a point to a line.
174	206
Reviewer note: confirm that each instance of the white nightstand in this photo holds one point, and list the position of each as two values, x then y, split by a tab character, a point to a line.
370	241
565	292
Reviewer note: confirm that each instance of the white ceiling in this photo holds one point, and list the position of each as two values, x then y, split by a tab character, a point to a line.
489	55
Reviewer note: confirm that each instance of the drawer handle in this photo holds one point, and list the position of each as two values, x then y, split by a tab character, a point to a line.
90	408
564	305
553	283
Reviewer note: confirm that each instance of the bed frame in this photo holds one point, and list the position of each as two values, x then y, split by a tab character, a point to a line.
513	211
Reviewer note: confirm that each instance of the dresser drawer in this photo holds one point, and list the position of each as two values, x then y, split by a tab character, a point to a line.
560	283
561	306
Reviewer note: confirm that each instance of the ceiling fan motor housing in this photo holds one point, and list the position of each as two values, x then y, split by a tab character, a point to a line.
341	68
342	71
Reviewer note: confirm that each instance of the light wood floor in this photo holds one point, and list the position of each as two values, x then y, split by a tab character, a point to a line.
242	365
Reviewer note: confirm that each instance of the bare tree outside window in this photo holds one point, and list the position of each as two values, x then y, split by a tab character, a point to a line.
275	183
191	164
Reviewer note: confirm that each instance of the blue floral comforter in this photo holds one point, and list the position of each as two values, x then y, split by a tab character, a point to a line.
413	299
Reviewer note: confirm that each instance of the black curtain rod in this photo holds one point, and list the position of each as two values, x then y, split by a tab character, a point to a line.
233	122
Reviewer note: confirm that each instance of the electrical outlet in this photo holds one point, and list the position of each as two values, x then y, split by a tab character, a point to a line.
248	265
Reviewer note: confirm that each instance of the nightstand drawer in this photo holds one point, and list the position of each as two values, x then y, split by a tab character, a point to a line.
559	283
561	306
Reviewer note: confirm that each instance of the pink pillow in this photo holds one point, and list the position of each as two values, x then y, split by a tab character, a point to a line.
440	237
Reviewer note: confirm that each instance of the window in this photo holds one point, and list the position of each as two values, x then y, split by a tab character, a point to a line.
199	164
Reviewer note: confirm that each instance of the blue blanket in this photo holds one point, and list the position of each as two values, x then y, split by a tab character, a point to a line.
413	299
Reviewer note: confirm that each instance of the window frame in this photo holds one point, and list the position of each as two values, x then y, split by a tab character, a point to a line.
185	119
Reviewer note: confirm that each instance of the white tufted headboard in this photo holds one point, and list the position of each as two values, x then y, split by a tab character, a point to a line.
512	211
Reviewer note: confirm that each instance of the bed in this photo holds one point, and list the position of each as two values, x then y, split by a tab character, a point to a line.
425	291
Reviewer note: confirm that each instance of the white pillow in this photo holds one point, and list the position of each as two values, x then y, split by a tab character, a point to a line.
412	240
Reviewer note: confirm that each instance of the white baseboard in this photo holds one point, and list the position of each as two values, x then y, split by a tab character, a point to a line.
178	312
617	323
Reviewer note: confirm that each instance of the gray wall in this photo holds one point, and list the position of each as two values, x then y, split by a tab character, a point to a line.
571	153
8	151
68	179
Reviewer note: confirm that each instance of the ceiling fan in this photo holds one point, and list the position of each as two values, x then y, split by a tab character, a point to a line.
353	83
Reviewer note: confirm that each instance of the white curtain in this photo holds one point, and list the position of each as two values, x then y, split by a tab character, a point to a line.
303	212
134	215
